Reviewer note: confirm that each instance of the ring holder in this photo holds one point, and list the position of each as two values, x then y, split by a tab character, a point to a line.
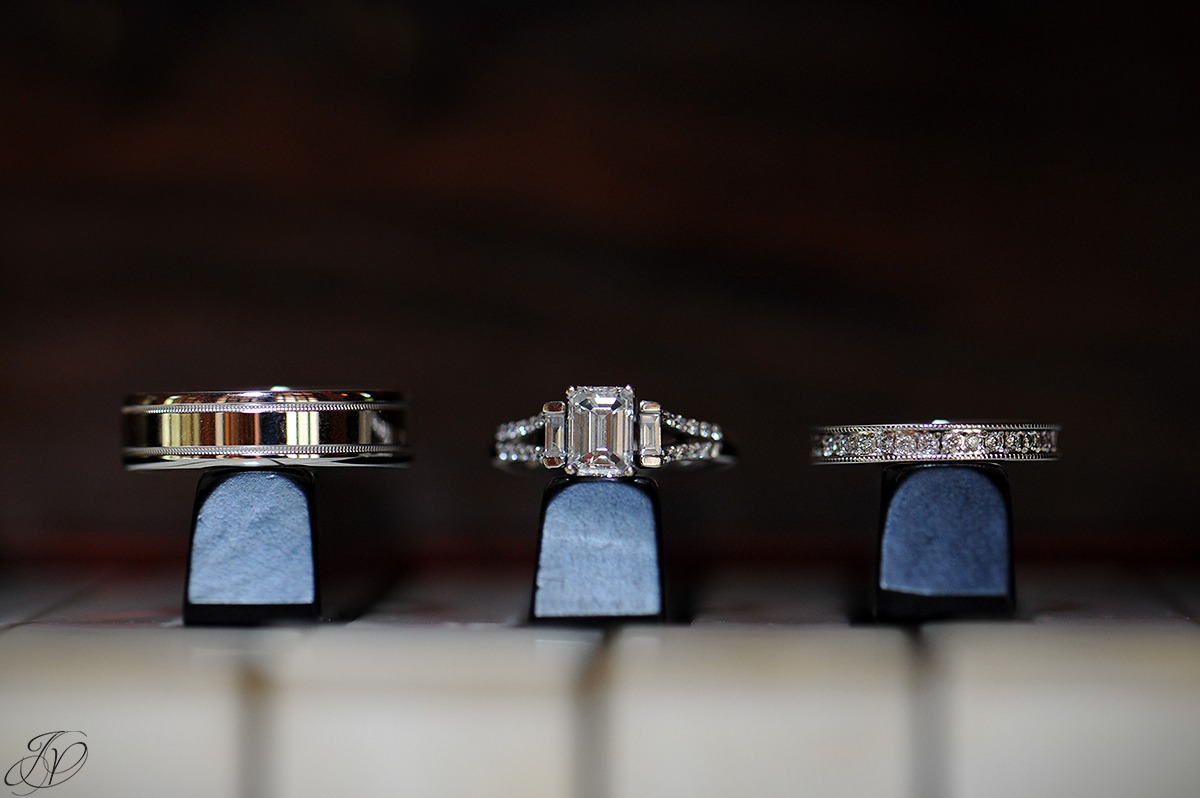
255	556
945	543
945	532
600	552
600	542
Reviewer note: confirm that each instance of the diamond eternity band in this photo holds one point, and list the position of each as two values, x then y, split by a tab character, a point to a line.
936	441
604	431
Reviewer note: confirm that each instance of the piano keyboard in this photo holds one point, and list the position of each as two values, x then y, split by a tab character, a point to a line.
771	691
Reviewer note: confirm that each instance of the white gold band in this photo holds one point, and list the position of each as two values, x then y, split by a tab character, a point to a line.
937	441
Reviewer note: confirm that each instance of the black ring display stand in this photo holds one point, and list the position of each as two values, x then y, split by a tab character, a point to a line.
253	555
599	553
945	543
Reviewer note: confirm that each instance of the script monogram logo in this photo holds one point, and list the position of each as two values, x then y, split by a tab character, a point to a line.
55	757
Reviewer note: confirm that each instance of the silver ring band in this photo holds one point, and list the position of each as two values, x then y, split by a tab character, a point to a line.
604	431
936	441
267	427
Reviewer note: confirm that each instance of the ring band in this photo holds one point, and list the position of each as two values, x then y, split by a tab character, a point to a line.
604	431
937	441
264	427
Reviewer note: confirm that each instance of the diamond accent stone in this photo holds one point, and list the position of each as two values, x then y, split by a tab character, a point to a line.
1016	442
695	451
906	444
862	444
832	445
515	430
516	452
600	439
554	452
928	443
650	452
692	427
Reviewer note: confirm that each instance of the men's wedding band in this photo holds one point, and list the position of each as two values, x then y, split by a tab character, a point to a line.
277	426
605	431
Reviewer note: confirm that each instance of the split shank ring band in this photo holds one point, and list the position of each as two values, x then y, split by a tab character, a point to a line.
277	426
604	431
936	441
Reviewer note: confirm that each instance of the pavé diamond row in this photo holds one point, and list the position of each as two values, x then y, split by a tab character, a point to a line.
604	431
515	430
934	442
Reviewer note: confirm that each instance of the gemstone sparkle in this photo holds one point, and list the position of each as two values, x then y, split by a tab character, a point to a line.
600	431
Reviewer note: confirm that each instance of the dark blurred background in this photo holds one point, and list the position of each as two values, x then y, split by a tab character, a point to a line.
768	215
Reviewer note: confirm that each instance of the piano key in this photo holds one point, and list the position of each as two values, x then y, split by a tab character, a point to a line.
780	596
772	691
1070	708
160	710
460	596
119	599
766	711
30	593
426	710
1097	593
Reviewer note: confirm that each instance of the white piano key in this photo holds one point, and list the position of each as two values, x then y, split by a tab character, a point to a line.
30	593
1094	709
137	600
467	596
779	596
425	710
1100	593
161	711
815	710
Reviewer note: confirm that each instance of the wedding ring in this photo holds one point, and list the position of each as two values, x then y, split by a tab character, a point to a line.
936	441
278	426
604	431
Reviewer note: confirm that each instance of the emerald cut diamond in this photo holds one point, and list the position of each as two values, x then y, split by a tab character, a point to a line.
600	434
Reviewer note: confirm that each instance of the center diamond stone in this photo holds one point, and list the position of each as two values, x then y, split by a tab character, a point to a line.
600	431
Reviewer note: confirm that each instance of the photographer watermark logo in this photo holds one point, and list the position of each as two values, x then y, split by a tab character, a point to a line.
54	757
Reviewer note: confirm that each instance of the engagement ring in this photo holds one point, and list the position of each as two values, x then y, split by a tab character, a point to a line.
604	431
278	426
